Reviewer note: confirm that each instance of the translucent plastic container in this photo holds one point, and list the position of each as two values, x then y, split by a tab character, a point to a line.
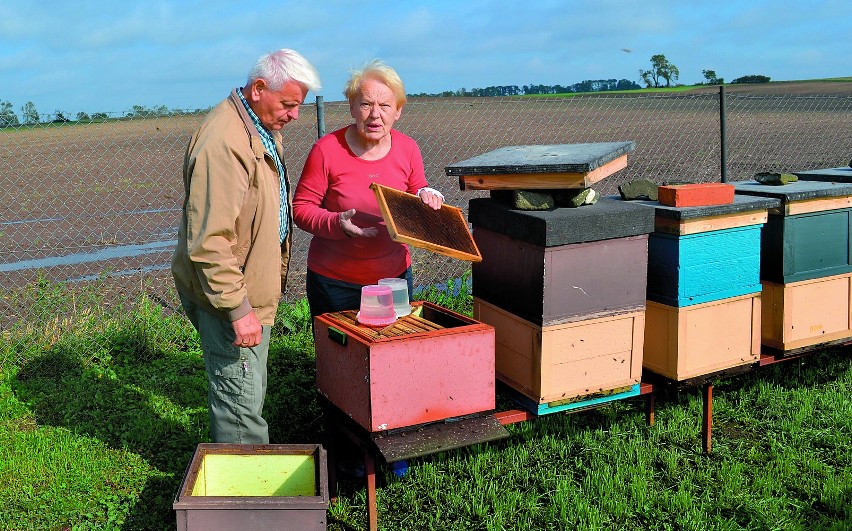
399	287
376	306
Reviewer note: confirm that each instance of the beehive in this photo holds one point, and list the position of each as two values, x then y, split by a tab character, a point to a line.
430	365
703	310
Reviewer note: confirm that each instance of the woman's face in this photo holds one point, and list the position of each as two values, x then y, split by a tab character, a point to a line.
375	110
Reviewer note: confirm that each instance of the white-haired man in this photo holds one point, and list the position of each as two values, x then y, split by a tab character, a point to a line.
234	230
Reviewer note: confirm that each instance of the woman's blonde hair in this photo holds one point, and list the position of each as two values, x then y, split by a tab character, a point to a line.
378	71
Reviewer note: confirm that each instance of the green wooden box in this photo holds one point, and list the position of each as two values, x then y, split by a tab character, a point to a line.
809	235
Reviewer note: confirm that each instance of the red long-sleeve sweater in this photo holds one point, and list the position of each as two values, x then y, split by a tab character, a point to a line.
334	180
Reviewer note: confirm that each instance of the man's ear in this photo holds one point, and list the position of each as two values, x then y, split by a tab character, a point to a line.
257	86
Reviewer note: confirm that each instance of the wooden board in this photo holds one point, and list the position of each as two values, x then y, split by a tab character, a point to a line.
542	181
442	231
543	159
709	224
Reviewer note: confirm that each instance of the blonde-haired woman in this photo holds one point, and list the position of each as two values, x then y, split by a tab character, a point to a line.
350	247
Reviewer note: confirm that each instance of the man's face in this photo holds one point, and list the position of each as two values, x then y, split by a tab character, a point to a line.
275	108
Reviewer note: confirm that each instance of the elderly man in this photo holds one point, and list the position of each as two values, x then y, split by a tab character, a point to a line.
233	244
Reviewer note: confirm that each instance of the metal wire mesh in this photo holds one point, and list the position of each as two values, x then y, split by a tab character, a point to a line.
90	210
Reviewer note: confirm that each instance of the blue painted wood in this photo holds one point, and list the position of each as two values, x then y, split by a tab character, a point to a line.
704	267
807	246
581	403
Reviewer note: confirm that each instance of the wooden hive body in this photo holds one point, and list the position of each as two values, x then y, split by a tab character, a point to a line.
551	364
416	371
689	341
254	486
703	267
807	313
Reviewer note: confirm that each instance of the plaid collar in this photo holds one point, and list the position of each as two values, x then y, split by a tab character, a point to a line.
265	135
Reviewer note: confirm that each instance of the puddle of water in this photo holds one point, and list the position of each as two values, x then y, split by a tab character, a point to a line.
129	213
123	273
109	253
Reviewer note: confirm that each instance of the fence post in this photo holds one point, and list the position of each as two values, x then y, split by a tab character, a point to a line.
320	117
723	134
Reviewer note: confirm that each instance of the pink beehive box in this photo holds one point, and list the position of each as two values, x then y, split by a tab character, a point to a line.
428	366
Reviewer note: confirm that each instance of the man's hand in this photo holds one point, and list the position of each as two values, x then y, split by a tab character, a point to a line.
352	230
248	330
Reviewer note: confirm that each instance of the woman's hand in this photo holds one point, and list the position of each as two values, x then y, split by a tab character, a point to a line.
352	230
431	197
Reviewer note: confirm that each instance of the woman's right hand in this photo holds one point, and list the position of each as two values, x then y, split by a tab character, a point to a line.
352	230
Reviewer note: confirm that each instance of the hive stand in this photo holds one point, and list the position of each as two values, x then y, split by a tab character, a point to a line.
388	448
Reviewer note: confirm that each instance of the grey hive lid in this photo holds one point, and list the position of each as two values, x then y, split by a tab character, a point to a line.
839	175
557	158
795	191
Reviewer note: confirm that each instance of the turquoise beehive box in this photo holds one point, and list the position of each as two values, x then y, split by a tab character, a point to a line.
703	254
696	268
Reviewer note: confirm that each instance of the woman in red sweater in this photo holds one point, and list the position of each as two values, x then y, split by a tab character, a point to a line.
351	247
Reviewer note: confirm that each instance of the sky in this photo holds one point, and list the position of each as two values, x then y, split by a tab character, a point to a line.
107	56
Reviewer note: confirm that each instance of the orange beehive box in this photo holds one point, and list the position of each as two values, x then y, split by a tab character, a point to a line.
559	362
689	341
808	312
696	194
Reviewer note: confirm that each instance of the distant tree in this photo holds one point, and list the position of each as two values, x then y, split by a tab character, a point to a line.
661	69
59	117
83	117
711	78
100	117
751	79
7	115
30	113
625	84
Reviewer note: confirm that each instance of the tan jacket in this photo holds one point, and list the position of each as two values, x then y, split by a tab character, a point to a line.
228	242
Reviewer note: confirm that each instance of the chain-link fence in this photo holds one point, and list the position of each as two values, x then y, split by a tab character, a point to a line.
92	208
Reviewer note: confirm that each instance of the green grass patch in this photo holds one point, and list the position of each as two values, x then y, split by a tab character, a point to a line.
101	411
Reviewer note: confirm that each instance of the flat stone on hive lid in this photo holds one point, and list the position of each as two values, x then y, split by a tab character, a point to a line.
541	166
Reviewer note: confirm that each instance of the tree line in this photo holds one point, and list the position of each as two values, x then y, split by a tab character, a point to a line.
661	74
31	116
591	85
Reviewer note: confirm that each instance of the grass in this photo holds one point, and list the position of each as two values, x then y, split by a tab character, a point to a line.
100	414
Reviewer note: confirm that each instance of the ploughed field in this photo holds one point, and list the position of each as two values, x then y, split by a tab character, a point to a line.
100	203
